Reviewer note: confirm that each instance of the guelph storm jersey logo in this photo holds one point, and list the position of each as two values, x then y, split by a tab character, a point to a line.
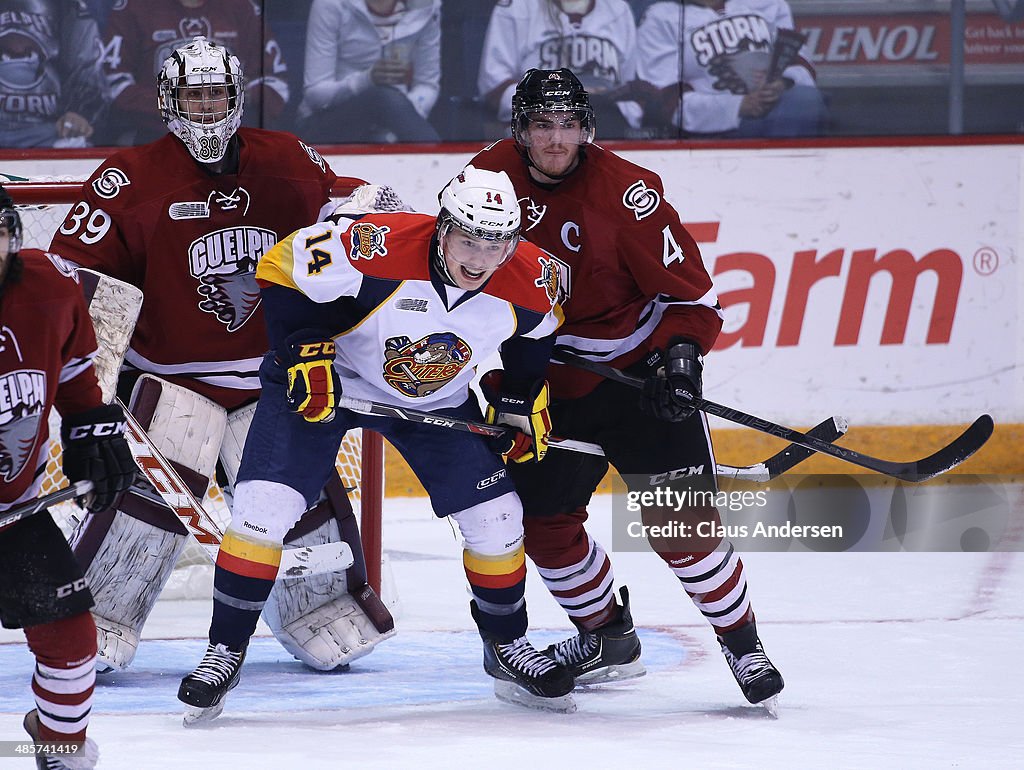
225	261
420	368
22	397
736	51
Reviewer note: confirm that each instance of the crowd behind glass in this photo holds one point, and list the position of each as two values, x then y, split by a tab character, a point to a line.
76	73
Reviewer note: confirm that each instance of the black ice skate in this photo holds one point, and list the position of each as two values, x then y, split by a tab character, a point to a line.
610	653
85	758
203	690
759	680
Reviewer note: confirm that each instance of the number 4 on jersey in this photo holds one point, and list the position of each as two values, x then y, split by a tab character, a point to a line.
670	251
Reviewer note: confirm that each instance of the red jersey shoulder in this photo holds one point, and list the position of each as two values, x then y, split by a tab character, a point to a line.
530	279
48	277
391	246
623	188
135	175
279	153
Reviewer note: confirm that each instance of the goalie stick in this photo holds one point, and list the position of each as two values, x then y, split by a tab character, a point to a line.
777	464
32	507
295	562
949	456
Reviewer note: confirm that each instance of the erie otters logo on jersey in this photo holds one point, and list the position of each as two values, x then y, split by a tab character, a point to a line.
368	240
417	369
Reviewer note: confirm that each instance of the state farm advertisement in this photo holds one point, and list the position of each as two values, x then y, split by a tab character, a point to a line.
879	283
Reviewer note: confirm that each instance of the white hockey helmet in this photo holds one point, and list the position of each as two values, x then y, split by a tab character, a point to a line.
482	204
209	117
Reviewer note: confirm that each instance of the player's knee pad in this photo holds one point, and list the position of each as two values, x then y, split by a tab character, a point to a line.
329	620
494	527
266	509
549	537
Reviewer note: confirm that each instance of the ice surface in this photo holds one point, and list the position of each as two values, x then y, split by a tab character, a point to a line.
891	660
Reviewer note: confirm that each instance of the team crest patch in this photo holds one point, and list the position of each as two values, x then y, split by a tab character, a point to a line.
550	278
641	199
368	240
417	369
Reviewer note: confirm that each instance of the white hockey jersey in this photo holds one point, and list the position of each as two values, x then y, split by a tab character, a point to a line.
718	57
403	337
599	46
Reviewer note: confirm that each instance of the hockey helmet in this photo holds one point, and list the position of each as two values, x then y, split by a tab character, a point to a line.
483	205
200	91
551	91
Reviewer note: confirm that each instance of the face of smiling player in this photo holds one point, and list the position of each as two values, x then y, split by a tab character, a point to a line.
471	260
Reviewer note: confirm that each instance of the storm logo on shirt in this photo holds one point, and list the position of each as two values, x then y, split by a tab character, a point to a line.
417	369
22	398
225	264
736	52
368	240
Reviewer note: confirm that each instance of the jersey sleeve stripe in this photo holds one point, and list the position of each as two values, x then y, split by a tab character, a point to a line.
278	265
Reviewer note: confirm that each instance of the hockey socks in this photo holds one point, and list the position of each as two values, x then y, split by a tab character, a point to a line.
242	580
715	583
65	674
498	584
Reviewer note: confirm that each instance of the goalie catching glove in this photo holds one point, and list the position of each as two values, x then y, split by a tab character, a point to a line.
525	410
313	383
669	392
95	449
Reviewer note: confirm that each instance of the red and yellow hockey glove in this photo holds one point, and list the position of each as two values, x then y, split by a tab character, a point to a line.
527	413
313	383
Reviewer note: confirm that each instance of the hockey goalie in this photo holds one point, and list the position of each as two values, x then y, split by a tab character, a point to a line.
185	219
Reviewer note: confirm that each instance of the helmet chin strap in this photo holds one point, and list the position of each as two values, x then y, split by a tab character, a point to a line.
440	265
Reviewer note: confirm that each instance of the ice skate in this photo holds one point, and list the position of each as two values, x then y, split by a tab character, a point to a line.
759	680
204	690
85	758
610	653
525	677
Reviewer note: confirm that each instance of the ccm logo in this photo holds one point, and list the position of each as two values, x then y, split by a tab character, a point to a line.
100	429
484	483
311	349
439	421
70	588
678	473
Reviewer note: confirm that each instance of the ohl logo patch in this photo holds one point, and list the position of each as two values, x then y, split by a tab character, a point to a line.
417	369
368	240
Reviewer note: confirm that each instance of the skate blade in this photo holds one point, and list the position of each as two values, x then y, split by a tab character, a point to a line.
612	674
195	715
512	693
771	705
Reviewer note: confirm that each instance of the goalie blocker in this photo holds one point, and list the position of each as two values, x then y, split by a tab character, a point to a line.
128	551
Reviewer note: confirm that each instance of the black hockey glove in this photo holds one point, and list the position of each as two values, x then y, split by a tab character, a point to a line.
668	393
314	385
526	412
95	449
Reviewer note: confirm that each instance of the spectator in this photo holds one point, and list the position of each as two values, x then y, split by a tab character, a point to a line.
52	91
373	71
732	68
596	39
141	34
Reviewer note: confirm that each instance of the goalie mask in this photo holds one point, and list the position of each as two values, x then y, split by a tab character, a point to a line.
477	228
10	234
200	91
551	91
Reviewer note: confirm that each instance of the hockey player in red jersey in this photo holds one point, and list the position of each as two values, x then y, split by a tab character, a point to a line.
46	351
400	309
636	296
185	219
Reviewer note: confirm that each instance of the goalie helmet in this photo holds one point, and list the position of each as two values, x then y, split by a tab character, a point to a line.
483	205
551	91
200	90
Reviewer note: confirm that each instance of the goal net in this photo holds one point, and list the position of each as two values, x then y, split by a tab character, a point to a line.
43	206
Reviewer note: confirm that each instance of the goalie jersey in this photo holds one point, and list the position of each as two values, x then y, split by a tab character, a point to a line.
403	336
46	352
152	217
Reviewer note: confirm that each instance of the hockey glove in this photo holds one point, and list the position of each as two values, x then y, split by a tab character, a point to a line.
527	412
670	391
313	383
95	449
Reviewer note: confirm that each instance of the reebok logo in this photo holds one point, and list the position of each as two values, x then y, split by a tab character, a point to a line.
254	528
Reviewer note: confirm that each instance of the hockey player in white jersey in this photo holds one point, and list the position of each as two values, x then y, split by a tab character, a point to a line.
738	65
596	39
399	308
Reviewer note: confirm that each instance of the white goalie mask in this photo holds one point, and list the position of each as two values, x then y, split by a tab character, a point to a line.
200	90
483	205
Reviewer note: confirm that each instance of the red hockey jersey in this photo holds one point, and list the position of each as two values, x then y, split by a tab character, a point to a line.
153	217
631	275
47	347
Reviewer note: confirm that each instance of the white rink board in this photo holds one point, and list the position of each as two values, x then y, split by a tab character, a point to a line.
962	205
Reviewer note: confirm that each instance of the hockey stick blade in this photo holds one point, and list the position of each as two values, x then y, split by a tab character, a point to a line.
295	562
31	508
951	455
785	460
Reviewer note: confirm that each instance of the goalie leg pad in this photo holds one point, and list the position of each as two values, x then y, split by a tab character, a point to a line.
330	620
127	555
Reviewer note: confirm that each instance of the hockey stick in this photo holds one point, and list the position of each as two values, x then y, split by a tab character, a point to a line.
951	455
829	430
295	562
62	495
